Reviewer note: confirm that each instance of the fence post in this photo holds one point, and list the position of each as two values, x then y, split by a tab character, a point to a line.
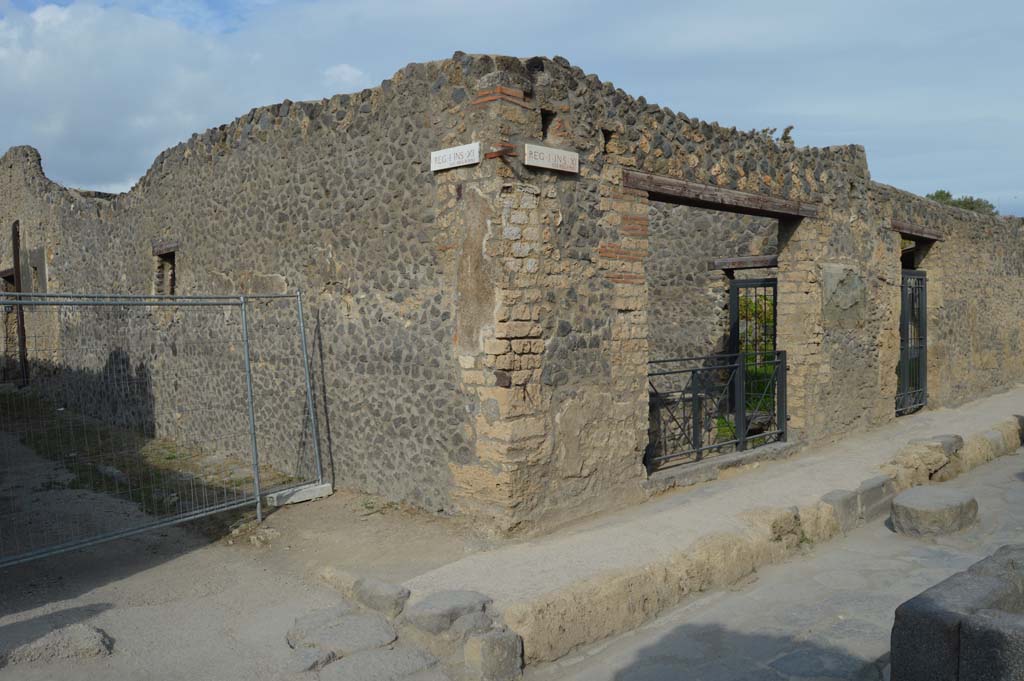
315	433
19	312
782	417
252	412
697	417
741	401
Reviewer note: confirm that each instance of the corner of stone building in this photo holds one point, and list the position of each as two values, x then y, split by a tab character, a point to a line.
553	441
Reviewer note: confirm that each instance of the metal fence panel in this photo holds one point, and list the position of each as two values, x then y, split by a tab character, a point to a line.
123	414
703	406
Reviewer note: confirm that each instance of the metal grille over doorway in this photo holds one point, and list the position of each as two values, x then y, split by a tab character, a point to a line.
704	406
912	370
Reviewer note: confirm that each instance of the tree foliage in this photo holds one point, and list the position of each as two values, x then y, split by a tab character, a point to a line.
967	202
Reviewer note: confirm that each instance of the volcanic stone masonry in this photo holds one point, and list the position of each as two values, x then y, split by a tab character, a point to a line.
481	333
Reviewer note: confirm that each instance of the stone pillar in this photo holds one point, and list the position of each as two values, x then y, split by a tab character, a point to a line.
799	324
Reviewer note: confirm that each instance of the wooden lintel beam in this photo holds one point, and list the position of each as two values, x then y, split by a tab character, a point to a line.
164	247
686	192
745	263
911	230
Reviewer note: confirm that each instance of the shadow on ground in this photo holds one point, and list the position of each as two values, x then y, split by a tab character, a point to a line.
27	631
713	653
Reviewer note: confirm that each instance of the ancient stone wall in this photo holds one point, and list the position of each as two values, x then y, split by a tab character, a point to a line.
332	197
689	303
975	285
481	334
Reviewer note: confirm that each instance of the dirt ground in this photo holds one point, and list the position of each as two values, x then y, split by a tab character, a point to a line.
196	602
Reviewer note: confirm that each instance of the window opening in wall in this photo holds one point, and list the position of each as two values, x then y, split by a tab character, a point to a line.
164	284
607	134
547	117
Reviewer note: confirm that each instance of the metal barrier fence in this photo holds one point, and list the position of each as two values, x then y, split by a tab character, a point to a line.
121	414
702	406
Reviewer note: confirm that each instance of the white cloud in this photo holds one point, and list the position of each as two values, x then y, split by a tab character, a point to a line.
103	86
343	76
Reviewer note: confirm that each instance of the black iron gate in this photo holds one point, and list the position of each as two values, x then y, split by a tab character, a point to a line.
912	370
752	316
702	406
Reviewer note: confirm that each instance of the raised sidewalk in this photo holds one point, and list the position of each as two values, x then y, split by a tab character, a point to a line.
611	573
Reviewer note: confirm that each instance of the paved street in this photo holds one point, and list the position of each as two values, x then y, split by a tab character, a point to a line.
826	615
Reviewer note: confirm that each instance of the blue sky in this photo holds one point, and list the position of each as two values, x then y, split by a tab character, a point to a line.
934	90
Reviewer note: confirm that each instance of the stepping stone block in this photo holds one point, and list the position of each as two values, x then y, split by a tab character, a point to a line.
436	613
930	510
381	596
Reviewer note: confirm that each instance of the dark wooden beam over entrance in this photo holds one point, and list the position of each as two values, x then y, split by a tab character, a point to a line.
915	231
749	262
685	192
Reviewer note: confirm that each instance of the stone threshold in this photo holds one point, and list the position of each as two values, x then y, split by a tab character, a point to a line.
694	473
611	574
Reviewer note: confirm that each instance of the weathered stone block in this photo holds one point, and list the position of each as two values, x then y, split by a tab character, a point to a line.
875	496
992	646
299	494
494	656
846	506
473	623
381	596
933	510
437	612
926	633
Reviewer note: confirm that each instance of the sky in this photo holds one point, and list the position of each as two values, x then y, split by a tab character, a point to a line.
933	89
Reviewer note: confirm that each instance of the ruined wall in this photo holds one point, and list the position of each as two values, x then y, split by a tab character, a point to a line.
975	288
572	420
481	335
689	304
331	197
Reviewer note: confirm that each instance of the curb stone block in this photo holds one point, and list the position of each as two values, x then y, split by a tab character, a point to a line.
997	441
951	444
846	505
494	656
381	596
875	496
436	613
473	623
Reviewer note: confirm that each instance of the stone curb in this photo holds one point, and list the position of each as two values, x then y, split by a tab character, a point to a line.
556	623
939	458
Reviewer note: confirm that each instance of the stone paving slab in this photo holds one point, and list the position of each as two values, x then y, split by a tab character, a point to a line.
826	614
611	574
